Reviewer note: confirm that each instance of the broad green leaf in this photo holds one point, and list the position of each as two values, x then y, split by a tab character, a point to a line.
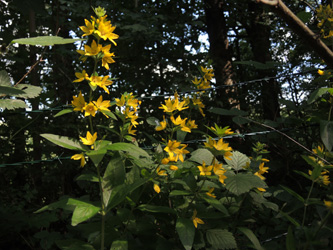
114	176
238	160
73	244
326	134
83	211
88	177
119	245
63	112
231	112
249	234
317	94
65	142
202	155
243	182
216	204
7	90
45	40
179	192
221	239
186	232
109	114
153	121
30	91
11	104
128	147
293	193
96	156
240	120
290	240
4	79
62	203
156	209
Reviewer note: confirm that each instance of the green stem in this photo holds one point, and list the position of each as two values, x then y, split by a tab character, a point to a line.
322	223
306	203
103	213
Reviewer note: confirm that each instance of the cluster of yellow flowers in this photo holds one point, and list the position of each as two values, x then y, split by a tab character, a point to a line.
100	29
325	18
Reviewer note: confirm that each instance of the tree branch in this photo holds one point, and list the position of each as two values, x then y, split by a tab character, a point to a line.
296	25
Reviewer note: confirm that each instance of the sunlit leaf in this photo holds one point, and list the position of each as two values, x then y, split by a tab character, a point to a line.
45	40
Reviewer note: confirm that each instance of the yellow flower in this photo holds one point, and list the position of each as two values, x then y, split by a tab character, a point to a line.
105	30
79	157
210	193
205	170
165	161
120	102
161	172
208	73
321	72
107	56
190	124
78	103
216	166
329	205
102	105
178	121
196	81
261	189
259	175
210	143
90	139
318	150
131	131
162	125
81	76
195	219
90	109
92	50
157	188
220	145
262	169
89	28
175	152
169	106
173	167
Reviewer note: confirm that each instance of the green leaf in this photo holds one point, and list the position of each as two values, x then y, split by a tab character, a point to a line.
45	40
202	155
304	16
293	193
96	155
249	234
88	177
216	204
317	94
119	245
156	209
11	104
240	120
114	176
326	134
290	241
62	203
10	90
128	147
30	91
221	239
63	112
65	142
238	160
243	182
4	79
83	211
291	219
109	114
180	192
153	121
73	244
231	112
186	232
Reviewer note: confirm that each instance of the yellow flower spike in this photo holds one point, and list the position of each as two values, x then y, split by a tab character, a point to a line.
173	167
102	105
78	102
210	193
196	220
162	125
81	76
89	28
90	109
89	139
205	170
79	157
157	188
